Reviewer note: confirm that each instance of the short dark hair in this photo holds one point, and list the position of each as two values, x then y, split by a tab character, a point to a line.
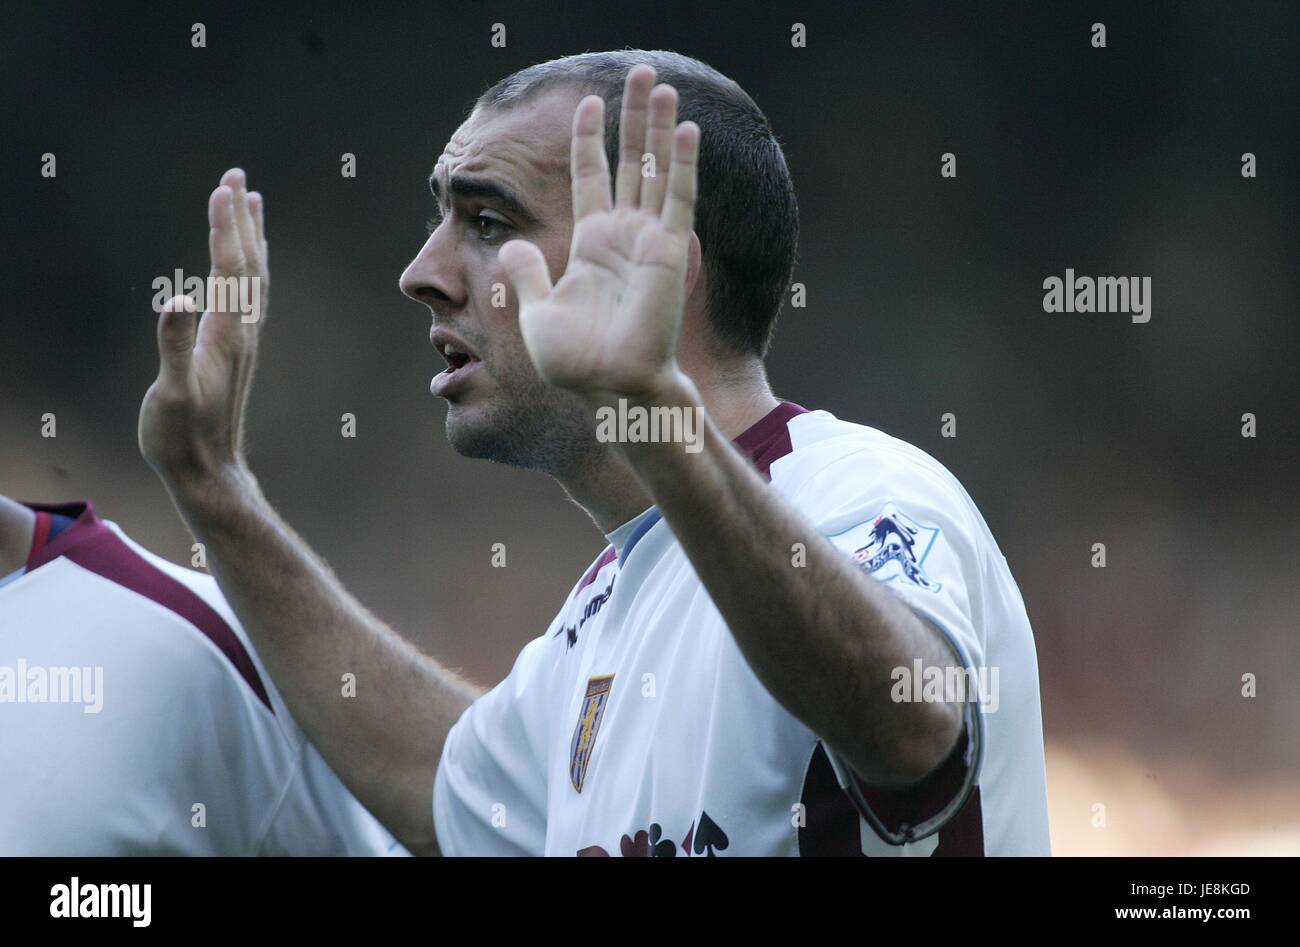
746	216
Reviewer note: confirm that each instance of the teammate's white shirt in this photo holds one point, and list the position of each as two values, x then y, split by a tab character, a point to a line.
186	717
635	726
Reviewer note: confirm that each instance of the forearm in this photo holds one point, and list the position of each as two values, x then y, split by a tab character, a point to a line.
822	637
383	735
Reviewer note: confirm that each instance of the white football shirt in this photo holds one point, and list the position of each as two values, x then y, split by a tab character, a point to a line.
136	718
634	726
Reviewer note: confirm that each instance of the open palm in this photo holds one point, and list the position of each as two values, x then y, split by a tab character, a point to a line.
609	326
192	417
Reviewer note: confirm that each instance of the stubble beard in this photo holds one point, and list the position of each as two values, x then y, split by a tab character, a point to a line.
526	424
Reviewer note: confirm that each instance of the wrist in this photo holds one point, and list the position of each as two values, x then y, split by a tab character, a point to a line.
669	388
657	428
211	496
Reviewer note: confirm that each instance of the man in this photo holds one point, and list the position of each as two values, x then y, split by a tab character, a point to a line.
136	718
732	674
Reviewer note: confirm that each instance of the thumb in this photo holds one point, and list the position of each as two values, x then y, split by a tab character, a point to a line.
176	328
526	267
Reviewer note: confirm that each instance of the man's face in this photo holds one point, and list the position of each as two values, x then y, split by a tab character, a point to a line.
504	174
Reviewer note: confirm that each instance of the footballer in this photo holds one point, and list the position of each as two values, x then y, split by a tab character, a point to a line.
136	717
731	675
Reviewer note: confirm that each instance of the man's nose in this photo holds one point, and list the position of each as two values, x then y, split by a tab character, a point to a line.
433	277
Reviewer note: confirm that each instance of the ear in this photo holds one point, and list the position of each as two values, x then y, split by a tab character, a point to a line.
694	346
694	264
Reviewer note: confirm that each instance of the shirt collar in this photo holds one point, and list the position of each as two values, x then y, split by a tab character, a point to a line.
85	524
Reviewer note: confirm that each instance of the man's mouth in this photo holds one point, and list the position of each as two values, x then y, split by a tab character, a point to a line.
455	358
461	361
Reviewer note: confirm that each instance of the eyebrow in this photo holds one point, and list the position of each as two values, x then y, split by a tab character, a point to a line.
489	190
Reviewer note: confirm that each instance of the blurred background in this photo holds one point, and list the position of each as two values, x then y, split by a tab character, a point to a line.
924	297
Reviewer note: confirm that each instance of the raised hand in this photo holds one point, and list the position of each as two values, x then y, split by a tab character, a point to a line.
608	328
192	418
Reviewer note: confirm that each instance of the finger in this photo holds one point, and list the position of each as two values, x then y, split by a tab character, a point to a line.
263	278
223	238
526	267
226	288
237	181
679	205
176	340
631	134
659	143
588	165
255	208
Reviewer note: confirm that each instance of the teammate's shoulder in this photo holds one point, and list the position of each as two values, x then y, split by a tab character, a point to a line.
216	621
199	583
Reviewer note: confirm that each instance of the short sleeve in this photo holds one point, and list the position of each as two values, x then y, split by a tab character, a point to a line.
489	792
913	530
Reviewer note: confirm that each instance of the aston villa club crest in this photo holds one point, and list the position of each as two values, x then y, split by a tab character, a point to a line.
584	734
898	549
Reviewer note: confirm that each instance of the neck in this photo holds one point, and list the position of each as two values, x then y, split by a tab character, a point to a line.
17	524
604	485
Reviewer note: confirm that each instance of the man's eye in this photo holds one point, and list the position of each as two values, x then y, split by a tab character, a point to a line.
485	228
489	228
